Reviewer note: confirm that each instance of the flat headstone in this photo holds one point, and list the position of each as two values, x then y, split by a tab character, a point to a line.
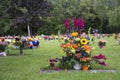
92	71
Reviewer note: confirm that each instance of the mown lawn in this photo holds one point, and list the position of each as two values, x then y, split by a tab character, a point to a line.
27	67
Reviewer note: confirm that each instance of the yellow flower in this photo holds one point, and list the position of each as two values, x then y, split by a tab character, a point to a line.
77	39
73	50
14	41
74	34
84	41
30	39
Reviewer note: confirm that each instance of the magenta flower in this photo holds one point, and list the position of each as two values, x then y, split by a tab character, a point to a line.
52	64
57	69
75	21
100	56
66	22
102	47
103	63
81	23
51	60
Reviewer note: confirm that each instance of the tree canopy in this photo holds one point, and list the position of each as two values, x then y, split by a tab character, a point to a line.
47	16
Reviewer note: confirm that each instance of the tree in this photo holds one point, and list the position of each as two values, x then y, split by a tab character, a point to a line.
4	19
28	13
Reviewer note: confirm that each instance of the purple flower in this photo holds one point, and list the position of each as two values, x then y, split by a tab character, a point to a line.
103	63
84	54
100	56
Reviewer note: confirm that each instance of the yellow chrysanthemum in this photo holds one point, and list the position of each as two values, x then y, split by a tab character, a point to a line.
84	41
74	34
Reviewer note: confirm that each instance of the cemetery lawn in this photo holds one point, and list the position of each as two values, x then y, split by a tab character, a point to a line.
27	67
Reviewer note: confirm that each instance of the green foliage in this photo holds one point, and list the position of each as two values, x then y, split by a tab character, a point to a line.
49	17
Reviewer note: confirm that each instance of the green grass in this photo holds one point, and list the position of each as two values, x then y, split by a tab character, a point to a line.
27	67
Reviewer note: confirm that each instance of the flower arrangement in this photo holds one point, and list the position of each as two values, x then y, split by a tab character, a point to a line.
77	54
101	43
76	50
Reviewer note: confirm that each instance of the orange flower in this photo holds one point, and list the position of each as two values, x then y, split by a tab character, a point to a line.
83	59
75	46
62	45
78	55
87	48
68	45
88	58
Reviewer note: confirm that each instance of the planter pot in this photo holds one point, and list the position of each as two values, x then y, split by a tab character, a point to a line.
84	67
77	66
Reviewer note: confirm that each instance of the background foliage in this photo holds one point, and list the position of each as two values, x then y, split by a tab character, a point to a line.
47	17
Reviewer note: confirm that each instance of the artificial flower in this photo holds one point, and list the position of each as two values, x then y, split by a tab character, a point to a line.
57	69
66	22
103	63
83	59
68	45
74	34
62	45
84	54
75	46
78	55
84	41
77	39
52	64
87	48
72	50
100	56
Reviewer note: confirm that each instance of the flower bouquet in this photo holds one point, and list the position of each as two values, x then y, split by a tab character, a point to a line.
77	54
76	50
101	43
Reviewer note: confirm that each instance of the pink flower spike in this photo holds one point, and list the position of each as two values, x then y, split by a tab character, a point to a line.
75	21
103	63
81	23
66	22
